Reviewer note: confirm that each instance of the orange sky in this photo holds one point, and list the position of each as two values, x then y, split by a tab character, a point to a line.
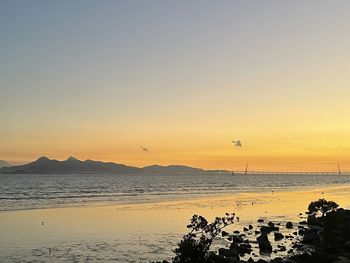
99	80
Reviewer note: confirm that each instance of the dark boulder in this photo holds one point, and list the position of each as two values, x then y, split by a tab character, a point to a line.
265	229
311	237
244	249
289	225
264	244
278	236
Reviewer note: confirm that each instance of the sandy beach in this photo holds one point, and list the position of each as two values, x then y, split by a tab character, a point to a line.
140	232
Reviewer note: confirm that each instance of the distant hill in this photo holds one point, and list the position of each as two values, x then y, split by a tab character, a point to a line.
4	164
43	165
72	165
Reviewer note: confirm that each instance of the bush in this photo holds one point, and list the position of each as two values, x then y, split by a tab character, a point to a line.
322	206
194	247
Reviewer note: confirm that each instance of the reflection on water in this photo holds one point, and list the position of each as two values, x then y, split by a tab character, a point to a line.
141	232
44	191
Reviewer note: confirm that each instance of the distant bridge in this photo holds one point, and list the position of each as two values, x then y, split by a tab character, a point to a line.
283	173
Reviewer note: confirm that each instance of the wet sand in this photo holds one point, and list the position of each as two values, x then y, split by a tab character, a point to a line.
139	232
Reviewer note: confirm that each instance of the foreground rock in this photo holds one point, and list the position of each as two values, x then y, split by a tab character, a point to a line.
264	244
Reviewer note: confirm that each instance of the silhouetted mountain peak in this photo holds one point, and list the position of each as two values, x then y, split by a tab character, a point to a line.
42	159
72	159
72	165
4	164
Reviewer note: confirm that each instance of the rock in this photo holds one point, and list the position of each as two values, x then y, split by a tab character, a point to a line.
244	249
311	236
228	252
260	220
237	239
224	233
303	223
236	232
264	244
257	232
245	229
347	244
282	248
234	246
221	259
278	236
250	227
295	233
289	225
270	224
265	229
276	260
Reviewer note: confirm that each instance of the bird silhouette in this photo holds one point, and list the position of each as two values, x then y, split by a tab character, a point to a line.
237	143
144	149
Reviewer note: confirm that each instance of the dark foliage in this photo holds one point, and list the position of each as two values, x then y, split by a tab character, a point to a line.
194	247
322	206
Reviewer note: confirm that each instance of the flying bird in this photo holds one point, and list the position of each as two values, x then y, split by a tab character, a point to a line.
237	143
144	149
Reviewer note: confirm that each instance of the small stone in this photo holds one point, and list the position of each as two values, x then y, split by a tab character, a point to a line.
278	236
289	225
224	233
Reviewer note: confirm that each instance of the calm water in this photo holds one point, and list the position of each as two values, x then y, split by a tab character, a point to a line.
43	191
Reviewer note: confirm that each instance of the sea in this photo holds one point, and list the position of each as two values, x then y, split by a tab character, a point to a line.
141	218
30	191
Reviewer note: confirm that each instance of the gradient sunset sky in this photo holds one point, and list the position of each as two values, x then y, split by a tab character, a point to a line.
98	79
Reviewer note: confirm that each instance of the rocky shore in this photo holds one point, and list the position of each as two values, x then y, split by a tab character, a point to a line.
315	239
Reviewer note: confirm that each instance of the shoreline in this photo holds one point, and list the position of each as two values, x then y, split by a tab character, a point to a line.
188	197
141	232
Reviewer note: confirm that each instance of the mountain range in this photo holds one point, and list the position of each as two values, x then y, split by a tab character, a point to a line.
3	164
44	165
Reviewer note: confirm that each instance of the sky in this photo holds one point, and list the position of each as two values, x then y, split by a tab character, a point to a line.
99	79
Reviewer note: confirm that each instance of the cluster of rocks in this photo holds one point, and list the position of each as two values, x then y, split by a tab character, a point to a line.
314	240
242	246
